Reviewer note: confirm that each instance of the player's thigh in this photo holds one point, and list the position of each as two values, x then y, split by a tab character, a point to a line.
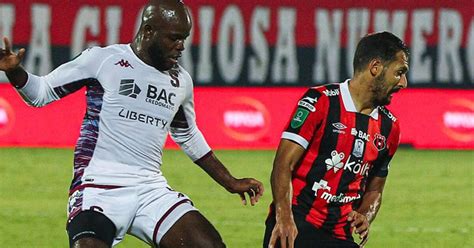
91	229
162	209
192	230
100	214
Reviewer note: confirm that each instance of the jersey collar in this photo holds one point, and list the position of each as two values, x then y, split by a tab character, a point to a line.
349	102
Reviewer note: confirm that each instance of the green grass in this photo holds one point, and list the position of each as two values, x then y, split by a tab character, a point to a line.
428	200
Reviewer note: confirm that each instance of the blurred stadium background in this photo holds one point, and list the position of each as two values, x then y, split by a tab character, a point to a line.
250	63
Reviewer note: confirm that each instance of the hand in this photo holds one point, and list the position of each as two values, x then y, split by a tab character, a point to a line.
285	230
250	186
8	59
361	225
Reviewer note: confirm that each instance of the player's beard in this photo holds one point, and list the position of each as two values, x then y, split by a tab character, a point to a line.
380	91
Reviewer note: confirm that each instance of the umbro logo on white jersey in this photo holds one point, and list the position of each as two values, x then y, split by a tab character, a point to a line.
129	88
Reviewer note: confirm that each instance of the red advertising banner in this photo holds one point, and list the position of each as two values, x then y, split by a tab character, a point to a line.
248	118
266	42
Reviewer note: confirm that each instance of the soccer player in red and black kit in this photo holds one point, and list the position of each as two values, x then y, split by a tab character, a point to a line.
330	167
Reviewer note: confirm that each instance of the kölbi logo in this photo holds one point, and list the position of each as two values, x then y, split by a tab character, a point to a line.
245	119
6	117
129	88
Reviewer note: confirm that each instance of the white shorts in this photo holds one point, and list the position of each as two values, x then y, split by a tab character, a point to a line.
146	211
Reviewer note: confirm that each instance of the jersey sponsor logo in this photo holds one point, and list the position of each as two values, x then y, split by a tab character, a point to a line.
328	197
358	150
360	134
333	92
124	63
339	128
162	98
7	117
129	88
341	198
322	185
299	117
306	105
357	167
379	141
336	163
388	113
143	118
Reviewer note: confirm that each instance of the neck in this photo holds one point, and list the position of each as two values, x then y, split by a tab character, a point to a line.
140	51
361	94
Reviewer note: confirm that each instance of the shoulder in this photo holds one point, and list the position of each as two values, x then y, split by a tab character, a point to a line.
318	96
185	76
323	92
387	114
328	90
101	53
183	72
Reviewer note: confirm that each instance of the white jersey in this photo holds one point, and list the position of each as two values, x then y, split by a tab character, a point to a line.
131	107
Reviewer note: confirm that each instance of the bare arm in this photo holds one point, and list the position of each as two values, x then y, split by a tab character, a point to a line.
372	198
364	215
212	166
10	64
288	155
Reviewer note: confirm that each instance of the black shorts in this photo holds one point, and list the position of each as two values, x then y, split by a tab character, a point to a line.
91	224
308	235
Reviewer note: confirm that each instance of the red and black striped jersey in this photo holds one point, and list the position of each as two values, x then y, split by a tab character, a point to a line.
343	149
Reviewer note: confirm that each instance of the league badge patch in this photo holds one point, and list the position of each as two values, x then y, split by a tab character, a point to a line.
299	117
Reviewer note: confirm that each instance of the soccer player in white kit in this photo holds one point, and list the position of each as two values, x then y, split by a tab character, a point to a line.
136	94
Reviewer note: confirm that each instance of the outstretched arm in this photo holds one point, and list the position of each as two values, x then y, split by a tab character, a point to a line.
10	64
211	164
288	155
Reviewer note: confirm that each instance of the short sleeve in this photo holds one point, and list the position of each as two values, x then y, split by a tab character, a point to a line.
306	118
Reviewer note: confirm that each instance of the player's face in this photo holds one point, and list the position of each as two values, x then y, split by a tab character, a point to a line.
391	80
167	43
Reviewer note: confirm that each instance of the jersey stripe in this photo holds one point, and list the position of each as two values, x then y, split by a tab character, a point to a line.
383	156
347	184
318	170
179	120
301	170
89	133
64	90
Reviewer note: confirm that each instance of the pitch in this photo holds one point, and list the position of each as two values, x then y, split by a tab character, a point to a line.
428	199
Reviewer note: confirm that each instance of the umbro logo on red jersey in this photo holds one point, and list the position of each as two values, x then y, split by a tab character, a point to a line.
124	63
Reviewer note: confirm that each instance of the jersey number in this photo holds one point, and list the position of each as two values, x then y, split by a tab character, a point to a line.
174	78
